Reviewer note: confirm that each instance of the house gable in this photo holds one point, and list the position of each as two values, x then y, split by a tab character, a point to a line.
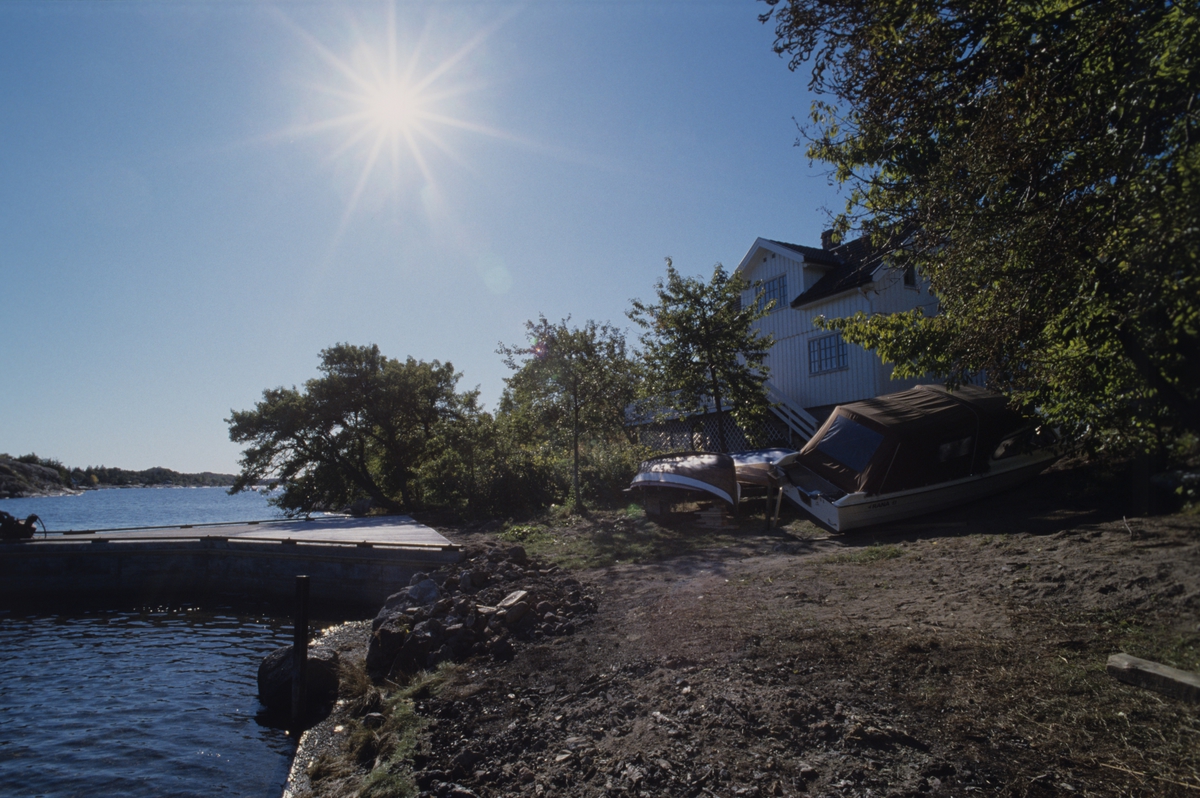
804	267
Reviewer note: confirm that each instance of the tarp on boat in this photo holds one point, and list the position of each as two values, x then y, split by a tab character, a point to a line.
910	439
758	467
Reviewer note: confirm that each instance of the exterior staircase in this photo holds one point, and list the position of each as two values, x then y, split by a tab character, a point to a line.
797	419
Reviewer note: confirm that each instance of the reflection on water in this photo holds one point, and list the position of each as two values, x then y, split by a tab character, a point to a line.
149	703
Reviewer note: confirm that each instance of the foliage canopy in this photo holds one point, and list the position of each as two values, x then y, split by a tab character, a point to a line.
700	343
1040	160
360	430
571	384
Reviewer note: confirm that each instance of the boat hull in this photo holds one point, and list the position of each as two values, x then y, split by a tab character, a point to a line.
684	483
700	474
858	510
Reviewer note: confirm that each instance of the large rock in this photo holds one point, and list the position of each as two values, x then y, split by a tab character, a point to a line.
424	592
275	678
386	642
422	641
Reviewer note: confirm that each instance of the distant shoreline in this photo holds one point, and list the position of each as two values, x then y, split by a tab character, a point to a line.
80	491
30	477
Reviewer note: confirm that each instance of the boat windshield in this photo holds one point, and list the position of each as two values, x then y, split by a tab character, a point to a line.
850	443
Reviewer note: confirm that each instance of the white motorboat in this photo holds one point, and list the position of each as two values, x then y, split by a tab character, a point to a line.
911	453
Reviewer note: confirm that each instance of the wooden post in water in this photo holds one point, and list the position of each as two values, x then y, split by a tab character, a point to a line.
300	652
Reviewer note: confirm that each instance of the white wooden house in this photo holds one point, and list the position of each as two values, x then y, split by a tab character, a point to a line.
813	370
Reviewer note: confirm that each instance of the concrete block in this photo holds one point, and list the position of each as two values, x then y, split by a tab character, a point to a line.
1164	679
512	599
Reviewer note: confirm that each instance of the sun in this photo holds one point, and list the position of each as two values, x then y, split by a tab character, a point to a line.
384	102
394	108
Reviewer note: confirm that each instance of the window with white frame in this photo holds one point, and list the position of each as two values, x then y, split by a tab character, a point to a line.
827	353
774	289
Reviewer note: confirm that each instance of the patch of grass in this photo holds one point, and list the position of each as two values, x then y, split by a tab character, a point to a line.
1162	645
870	554
393	743
520	533
560	513
1082	711
376	759
386	782
354	683
626	536
803	529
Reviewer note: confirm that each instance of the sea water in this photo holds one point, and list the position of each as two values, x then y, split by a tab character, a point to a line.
115	508
138	701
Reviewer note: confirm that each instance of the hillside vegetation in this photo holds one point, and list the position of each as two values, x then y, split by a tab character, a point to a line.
30	475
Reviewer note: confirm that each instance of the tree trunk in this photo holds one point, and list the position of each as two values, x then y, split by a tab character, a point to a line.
362	478
1176	402
575	465
716	392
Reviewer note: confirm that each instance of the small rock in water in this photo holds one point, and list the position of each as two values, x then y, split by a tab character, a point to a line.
275	678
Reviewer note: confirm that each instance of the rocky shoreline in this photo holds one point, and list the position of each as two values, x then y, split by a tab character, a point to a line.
487	606
22	479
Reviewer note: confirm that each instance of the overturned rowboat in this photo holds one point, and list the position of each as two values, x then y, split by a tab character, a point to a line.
669	479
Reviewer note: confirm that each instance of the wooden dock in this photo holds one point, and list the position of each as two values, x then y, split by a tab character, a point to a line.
355	562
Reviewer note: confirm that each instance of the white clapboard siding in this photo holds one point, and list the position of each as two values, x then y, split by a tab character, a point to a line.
864	375
781	321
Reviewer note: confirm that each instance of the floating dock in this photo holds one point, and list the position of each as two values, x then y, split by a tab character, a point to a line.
350	562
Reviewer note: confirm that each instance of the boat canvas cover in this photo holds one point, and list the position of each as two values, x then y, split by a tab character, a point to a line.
910	439
704	471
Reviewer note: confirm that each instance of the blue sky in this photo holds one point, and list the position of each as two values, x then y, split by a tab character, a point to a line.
192	207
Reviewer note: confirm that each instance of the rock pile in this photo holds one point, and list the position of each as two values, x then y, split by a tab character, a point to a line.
477	607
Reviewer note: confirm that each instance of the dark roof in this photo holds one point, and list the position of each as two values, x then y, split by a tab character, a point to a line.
854	263
813	254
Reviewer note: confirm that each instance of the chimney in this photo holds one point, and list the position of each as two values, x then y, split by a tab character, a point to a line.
827	240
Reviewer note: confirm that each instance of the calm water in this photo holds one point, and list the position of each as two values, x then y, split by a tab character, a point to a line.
121	507
140	703
137	704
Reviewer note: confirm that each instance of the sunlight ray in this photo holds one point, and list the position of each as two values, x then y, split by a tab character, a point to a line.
467	48
419	157
326	55
363	179
350	143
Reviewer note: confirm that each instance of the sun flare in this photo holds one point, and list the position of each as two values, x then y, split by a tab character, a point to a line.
393	105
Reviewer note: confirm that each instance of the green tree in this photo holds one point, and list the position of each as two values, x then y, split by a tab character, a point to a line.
701	343
485	466
1039	160
577	380
359	430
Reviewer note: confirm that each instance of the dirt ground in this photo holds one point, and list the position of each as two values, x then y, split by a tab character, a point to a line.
959	653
